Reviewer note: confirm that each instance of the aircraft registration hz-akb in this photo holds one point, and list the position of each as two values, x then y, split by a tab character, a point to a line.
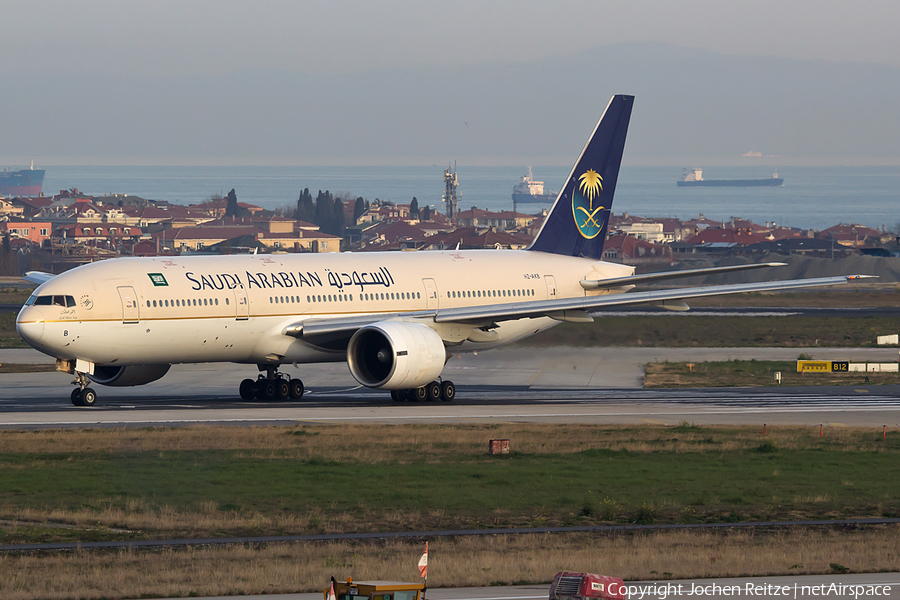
395	317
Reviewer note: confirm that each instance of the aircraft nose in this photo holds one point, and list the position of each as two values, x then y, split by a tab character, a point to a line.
30	325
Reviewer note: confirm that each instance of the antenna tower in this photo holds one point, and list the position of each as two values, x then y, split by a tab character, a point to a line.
451	198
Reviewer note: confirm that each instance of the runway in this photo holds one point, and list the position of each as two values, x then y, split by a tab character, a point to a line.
520	384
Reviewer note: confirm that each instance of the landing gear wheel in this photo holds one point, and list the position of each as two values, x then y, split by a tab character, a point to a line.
433	391
398	395
448	391
418	394
88	397
247	389
265	390
282	389
296	389
76	397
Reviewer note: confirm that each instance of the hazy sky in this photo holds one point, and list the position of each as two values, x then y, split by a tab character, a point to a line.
179	36
46	42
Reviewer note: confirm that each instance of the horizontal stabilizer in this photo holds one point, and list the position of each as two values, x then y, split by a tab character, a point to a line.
38	277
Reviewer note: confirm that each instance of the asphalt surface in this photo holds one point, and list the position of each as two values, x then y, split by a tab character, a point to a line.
552	385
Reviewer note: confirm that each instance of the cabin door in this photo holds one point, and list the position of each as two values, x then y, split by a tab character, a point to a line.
129	305
431	294
550	280
241	305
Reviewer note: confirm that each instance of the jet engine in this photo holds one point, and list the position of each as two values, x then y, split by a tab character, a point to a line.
395	355
128	375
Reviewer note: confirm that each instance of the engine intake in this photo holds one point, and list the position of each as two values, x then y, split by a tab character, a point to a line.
395	355
128	375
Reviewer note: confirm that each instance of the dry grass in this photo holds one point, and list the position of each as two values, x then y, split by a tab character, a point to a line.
373	444
453	562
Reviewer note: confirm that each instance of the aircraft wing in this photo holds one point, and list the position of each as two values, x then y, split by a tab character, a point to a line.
558	308
38	277
569	309
602	284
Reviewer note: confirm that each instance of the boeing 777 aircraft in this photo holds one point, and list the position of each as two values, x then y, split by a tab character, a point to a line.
394	317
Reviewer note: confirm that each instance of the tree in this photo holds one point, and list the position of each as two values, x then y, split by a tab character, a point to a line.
306	210
336	223
324	208
232	208
414	207
359	209
7	258
426	213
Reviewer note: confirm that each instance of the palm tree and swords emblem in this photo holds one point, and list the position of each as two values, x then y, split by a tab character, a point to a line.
590	185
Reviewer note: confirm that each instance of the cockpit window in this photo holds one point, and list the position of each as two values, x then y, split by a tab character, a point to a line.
63	301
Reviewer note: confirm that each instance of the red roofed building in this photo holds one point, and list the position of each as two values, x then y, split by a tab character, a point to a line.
218	206
33	231
631	251
503	220
856	235
727	236
99	233
472	237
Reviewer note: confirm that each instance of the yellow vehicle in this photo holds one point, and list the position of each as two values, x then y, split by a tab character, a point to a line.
377	590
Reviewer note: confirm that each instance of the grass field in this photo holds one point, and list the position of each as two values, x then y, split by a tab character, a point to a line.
212	481
751	373
452	562
81	485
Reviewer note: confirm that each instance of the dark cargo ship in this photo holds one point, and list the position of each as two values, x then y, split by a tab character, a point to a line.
26	182
694	178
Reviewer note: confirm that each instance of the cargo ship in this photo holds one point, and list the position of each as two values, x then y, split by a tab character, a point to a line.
694	178
24	182
529	191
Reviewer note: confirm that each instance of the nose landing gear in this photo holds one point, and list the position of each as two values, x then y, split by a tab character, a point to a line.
271	386
83	395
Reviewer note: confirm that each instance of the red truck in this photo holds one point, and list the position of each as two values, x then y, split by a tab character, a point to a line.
568	585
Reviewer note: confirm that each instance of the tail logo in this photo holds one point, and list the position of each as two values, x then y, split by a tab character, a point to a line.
586	216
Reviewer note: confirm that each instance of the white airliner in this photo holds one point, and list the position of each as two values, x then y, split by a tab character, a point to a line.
394	317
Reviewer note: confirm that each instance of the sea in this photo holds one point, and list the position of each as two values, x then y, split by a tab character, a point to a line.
811	197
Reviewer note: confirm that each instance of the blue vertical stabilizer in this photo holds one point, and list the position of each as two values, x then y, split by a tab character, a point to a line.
578	222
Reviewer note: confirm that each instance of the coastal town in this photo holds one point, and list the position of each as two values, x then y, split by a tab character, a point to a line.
58	232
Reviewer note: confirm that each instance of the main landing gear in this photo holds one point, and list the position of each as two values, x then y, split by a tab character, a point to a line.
430	392
83	395
271	386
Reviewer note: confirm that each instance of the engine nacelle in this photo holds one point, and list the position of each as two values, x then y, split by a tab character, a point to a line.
128	375
394	355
